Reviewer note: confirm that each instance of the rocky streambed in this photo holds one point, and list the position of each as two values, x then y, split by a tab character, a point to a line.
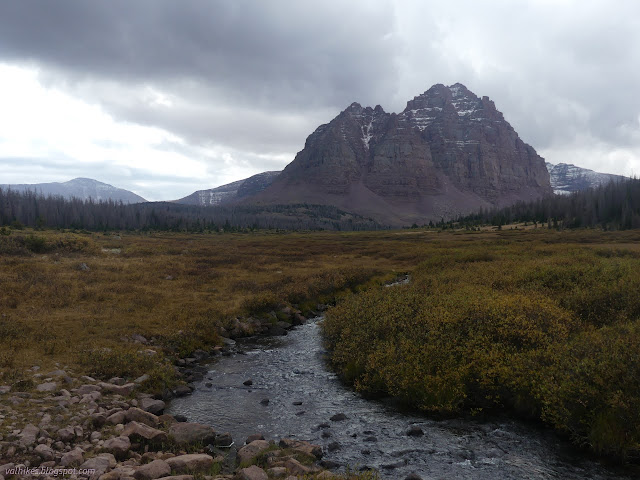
281	387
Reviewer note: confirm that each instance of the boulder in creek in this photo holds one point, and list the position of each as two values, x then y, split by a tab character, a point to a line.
194	462
248	452
415	431
255	436
301	447
189	433
153	470
338	417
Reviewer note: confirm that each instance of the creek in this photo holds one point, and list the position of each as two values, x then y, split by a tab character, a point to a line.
291	372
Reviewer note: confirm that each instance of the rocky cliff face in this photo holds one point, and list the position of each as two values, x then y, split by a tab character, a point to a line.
567	178
448	152
231	192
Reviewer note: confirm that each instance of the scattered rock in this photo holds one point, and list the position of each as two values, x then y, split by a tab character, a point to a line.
118	446
47	387
190	463
277	472
153	470
135	414
252	473
190	433
139	431
73	458
117	381
246	453
142	379
296	468
87	388
101	464
27	437
152	405
44	452
83	267
117	417
415	431
123	390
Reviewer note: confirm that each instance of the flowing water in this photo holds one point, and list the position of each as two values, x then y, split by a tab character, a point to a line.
291	372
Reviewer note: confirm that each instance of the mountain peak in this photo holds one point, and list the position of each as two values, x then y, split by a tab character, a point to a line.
448	152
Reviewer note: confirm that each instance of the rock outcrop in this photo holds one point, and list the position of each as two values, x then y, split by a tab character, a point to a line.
449	152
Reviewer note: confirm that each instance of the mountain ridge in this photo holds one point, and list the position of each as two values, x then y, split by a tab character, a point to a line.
80	187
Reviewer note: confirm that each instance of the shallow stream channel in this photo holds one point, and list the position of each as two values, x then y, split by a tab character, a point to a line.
292	373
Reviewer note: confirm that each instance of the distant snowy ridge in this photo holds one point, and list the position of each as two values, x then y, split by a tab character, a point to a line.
81	188
567	178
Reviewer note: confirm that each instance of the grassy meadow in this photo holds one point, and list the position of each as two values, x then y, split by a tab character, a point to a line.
542	323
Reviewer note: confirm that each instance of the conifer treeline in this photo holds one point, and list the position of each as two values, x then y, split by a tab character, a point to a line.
34	210
614	206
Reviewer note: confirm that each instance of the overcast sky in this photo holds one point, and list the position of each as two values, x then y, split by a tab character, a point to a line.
167	97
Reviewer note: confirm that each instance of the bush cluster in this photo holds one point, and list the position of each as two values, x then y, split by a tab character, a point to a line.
547	331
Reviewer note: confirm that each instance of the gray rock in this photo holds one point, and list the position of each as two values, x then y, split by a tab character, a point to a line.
83	267
224	440
152	406
84	389
4	389
190	463
44	452
117	417
118	446
248	452
190	433
123	390
47	387
139	431
252	473
136	414
413	476
117	381
27	437
142	379
101	464
153	470
415	431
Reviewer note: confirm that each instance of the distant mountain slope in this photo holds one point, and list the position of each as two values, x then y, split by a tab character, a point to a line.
82	188
449	152
230	192
567	178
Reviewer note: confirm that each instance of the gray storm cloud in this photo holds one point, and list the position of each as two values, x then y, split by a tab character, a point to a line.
258	77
